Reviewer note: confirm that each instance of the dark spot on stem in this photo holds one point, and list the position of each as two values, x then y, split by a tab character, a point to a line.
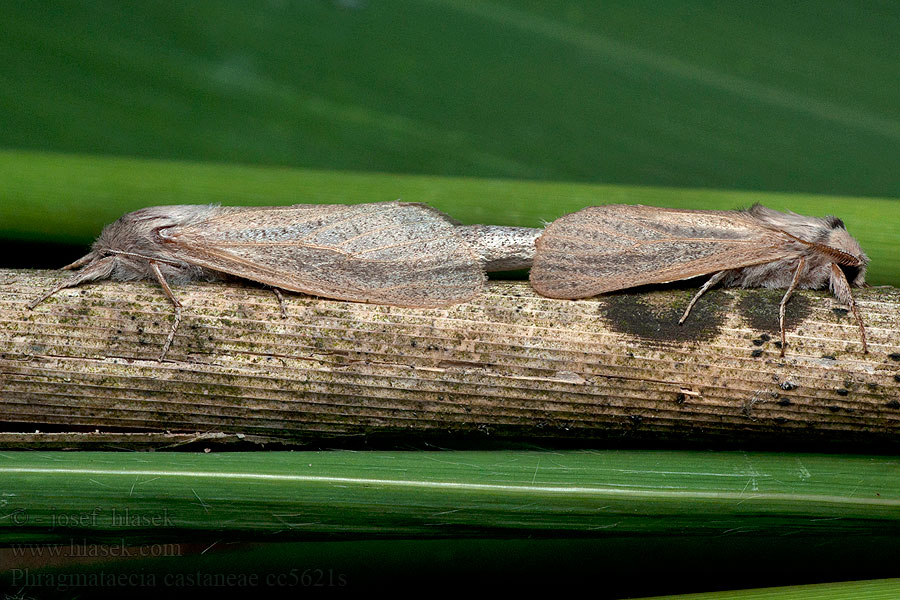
756	353
762	339
893	404
894	356
784	401
760	309
841	312
843	392
654	316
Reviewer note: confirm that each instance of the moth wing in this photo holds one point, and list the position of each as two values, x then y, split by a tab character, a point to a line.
605	248
387	253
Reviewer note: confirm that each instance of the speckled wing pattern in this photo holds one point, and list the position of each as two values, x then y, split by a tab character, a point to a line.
395	253
605	248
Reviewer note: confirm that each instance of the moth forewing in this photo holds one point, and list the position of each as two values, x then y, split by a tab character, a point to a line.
614	247
607	248
387	253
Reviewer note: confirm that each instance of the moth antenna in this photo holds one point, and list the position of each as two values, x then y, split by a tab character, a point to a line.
839	256
841	289
97	270
800	264
154	266
711	282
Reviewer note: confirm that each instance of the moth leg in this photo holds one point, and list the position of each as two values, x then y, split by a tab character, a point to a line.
841	288
800	264
280	297
88	258
98	270
712	281
154	266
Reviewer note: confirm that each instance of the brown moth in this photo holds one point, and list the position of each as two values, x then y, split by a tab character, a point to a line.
605	248
394	253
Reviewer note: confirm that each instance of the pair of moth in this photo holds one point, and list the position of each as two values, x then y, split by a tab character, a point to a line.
412	255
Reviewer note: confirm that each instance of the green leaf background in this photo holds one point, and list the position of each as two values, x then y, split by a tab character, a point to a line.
769	95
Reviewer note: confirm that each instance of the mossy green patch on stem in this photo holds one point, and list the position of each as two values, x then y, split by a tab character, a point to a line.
760	309
655	316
